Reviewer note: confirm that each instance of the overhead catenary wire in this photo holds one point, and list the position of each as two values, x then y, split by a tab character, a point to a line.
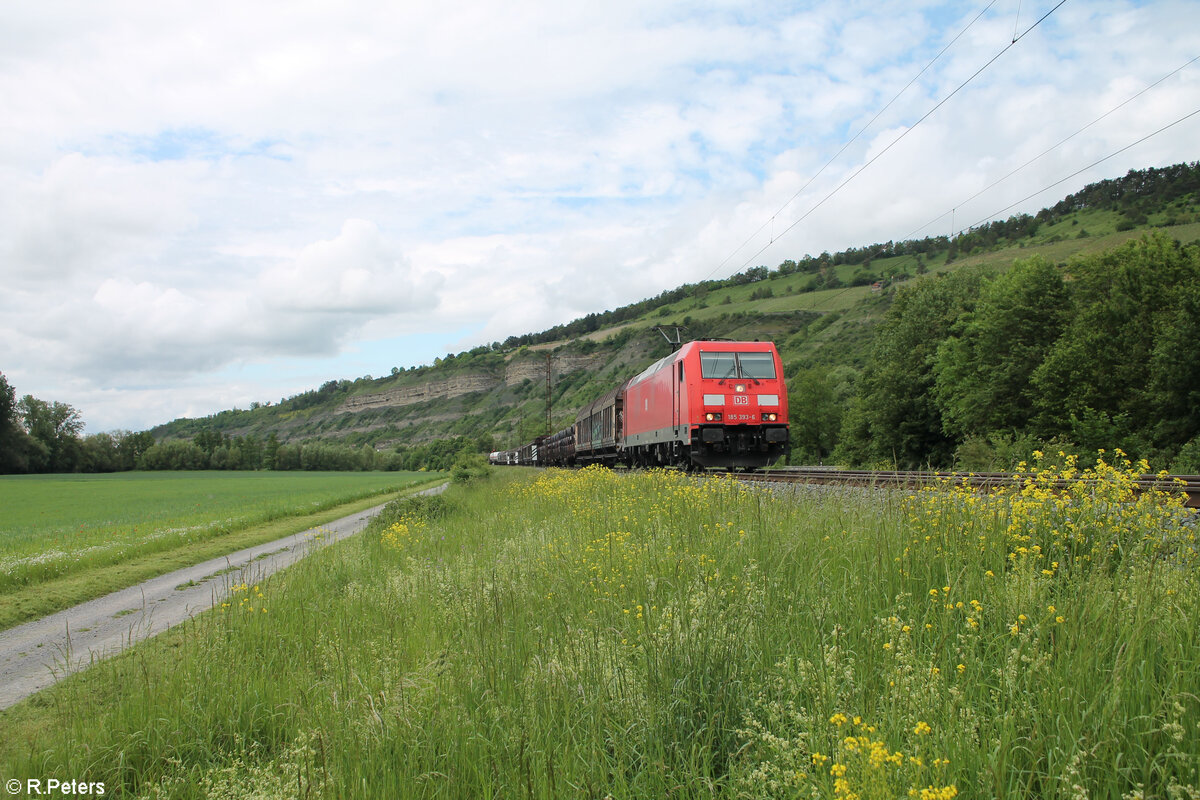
907	131
1113	154
851	141
1047	151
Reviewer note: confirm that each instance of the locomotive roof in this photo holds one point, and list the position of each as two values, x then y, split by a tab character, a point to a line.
709	345
728	345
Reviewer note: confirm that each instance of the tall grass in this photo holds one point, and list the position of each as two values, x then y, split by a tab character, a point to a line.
594	634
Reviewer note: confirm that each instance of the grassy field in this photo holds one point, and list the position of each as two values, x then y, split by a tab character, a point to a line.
593	634
65	538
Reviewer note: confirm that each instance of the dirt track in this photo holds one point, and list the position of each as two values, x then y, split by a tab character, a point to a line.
38	653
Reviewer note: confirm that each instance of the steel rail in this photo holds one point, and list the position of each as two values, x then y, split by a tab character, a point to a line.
1188	484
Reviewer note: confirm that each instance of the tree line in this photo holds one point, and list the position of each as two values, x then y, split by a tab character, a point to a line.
213	450
1135	195
977	369
37	436
42	436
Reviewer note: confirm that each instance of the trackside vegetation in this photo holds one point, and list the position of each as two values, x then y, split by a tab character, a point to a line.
978	368
598	634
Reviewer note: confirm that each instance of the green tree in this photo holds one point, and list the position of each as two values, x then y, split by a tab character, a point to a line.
982	373
209	441
15	444
131	446
270	451
225	457
100	453
287	457
895	419
55	427
1174	367
814	414
250	451
1111	370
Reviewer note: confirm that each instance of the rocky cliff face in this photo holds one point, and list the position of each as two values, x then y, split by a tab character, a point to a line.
419	393
516	372
535	370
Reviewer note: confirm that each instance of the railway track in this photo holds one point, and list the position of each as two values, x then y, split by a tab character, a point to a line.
1189	484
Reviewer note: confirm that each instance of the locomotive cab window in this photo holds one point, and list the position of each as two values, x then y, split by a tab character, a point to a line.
718	365
721	366
757	365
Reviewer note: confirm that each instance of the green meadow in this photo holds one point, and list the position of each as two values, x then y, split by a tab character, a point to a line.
66	538
597	634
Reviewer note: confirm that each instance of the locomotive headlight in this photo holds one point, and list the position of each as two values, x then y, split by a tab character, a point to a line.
769	417
739	388
713	416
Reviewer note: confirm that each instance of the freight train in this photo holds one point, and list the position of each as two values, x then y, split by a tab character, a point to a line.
711	403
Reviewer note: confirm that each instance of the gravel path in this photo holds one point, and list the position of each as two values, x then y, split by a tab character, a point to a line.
38	653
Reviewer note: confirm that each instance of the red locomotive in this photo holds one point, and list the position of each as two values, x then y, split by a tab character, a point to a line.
709	404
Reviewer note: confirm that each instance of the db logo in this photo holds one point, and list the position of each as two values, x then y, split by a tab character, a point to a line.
741	400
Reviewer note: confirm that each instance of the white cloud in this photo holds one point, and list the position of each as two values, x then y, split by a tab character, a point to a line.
89	214
358	272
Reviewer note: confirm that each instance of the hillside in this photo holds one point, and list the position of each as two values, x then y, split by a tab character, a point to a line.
821	311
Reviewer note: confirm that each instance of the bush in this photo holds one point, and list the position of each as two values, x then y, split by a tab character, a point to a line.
1188	460
469	466
426	507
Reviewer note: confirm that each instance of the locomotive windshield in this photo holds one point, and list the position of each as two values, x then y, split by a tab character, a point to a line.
718	365
758	366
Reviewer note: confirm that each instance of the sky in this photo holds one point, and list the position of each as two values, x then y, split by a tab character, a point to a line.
207	205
